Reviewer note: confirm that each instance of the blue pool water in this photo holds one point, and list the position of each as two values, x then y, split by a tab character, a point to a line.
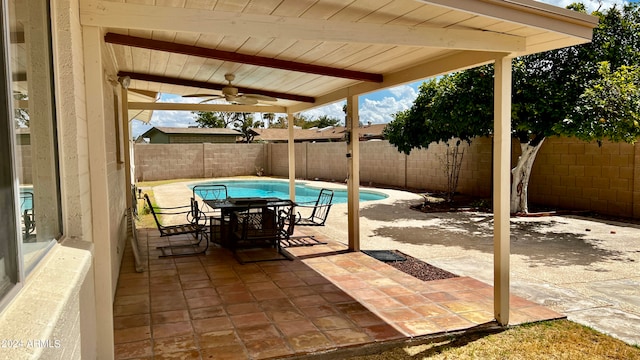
26	198
280	189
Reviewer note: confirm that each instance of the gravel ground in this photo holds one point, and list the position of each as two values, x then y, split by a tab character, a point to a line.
419	269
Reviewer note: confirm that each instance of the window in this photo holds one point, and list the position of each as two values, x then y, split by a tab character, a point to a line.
29	177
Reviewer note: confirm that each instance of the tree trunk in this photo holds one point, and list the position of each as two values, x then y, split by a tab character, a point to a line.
520	177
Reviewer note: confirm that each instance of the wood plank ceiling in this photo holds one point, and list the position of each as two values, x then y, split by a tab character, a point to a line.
307	53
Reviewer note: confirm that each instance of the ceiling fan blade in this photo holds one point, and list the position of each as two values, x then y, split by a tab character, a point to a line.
260	97
243	100
200	95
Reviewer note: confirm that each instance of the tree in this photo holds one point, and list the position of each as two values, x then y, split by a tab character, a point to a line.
210	119
244	123
567	92
268	117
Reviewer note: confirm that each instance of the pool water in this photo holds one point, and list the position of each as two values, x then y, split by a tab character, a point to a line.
280	189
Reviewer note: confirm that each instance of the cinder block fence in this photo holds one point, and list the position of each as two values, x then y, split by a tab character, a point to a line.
568	173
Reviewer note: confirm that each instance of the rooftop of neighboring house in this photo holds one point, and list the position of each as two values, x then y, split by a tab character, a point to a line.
330	133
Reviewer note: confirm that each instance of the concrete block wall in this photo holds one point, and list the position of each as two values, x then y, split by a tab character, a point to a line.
222	160
568	173
573	174
168	161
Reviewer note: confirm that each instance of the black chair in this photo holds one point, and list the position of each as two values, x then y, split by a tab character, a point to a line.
319	209
260	228
195	225
28	217
216	193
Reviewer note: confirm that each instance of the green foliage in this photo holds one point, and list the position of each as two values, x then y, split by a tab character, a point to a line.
210	119
304	122
561	92
609	108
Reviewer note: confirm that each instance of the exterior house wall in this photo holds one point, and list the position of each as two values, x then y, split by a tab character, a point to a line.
60	291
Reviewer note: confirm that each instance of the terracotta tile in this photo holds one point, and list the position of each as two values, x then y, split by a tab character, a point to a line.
351	307
200	302
451	322
218	338
349	336
180	355
123	322
199	276
171	316
318	311
162	280
236	297
171	329
234	287
201	292
298	291
336	297
541	313
461	306
258	332
167	304
285	315
246	308
396	291
296	327
131	350
163	272
227	352
131	299
174	344
212	324
265	285
430	310
383	303
398	315
439	296
420	327
197	284
163	288
252	319
308	342
268	348
332	322
132	334
207	312
276	304
478	317
412	300
135	309
315	280
309	300
383	332
122	291
268	294
367	293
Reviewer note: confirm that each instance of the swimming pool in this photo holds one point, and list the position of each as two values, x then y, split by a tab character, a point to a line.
280	189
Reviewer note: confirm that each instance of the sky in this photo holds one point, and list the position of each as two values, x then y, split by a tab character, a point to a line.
378	107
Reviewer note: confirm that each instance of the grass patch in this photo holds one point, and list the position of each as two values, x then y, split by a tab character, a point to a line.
559	339
145	218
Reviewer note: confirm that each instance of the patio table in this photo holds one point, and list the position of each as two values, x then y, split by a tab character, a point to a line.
230	205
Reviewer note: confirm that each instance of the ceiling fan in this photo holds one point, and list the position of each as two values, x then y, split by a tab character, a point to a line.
231	94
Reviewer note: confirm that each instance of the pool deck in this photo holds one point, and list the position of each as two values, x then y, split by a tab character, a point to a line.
586	269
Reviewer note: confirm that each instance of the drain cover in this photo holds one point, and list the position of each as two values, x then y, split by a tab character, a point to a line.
384	255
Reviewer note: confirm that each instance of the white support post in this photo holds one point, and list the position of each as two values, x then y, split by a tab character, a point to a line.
291	145
353	172
501	188
103	269
124	101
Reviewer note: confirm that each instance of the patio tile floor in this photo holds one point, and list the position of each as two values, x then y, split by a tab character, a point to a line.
211	307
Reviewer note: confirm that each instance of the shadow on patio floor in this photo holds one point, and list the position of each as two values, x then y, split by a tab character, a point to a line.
211	307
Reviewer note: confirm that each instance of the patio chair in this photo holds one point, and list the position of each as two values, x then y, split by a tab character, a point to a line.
259	228
319	209
216	193
193	222
28	218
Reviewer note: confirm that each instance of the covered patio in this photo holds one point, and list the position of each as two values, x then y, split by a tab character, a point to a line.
287	57
328	300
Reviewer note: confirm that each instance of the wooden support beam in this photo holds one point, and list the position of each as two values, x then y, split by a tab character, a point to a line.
207	53
206	85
